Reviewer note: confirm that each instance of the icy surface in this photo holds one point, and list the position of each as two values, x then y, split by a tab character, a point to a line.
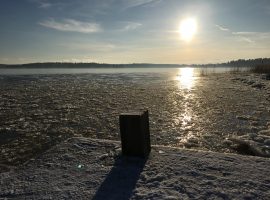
81	168
220	112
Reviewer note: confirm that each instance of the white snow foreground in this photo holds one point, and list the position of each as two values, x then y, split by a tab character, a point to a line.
82	168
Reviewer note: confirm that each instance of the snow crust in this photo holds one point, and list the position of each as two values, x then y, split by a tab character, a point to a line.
83	168
226	112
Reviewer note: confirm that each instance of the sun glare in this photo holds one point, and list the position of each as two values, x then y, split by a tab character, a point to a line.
188	28
186	77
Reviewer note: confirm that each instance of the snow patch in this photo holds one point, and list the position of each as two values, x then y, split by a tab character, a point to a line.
82	168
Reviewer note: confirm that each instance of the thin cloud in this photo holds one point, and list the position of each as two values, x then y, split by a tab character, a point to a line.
45	5
253	35
241	36
131	26
71	25
42	3
222	28
245	39
136	3
244	33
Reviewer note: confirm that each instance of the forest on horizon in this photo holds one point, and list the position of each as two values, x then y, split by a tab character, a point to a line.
233	63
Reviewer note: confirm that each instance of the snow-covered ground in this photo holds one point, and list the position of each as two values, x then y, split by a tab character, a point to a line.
224	112
82	168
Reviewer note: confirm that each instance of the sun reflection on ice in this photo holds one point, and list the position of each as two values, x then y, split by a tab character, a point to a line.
186	81
186	118
185	78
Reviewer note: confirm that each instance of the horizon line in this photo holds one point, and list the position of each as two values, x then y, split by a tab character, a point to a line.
65	62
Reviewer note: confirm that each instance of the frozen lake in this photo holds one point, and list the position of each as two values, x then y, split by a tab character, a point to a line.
189	108
29	71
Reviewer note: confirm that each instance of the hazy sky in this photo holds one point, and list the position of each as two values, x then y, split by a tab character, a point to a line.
128	31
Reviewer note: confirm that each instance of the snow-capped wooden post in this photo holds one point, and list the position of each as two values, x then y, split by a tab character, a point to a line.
135	134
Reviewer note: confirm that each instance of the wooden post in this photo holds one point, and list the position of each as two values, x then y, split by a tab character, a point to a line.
135	134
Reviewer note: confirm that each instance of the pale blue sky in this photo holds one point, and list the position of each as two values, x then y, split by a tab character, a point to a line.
128	31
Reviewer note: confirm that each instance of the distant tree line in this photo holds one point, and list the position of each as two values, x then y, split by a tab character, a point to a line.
239	63
249	62
86	65
234	63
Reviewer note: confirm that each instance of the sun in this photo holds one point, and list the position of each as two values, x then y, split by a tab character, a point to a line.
187	29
